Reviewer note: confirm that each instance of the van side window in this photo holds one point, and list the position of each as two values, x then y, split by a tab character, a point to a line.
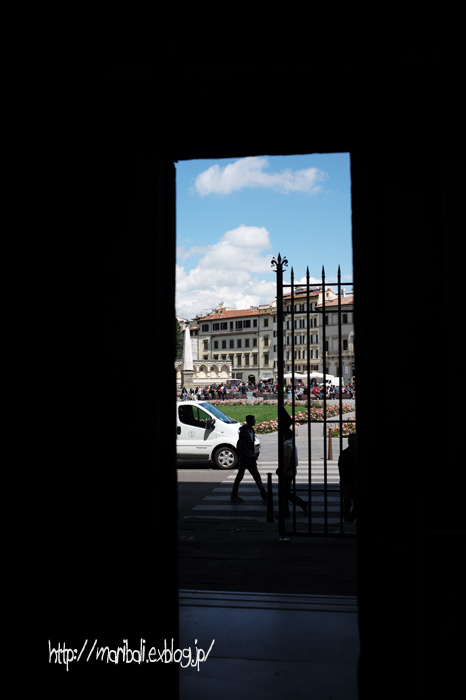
193	415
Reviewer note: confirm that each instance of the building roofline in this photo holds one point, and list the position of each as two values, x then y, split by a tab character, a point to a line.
334	302
218	315
312	293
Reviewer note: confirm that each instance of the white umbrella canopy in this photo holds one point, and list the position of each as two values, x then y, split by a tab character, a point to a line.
335	381
330	379
296	374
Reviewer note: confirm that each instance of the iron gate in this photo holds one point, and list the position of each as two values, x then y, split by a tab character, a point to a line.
323	494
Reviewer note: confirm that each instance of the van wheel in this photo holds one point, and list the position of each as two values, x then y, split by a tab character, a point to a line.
225	458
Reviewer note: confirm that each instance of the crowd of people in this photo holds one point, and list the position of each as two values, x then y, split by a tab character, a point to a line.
318	391
333	391
220	391
207	392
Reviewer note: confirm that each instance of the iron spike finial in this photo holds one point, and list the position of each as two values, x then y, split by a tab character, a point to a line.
279	262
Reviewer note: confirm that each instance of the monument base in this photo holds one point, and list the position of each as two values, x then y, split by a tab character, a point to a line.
187	379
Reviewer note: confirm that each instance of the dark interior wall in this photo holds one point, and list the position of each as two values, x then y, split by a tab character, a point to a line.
392	233
410	534
116	499
110	490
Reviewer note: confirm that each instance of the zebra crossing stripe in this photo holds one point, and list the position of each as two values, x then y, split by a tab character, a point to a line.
218	500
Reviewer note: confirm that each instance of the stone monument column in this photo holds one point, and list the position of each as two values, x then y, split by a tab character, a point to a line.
187	367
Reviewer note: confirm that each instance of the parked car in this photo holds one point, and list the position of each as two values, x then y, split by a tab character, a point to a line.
204	432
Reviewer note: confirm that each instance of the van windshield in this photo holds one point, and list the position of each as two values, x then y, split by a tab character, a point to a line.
217	413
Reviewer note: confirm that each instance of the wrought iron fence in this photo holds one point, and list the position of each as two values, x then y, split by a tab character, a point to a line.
318	490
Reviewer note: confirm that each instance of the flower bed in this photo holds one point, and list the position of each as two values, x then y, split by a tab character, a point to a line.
347	428
266	412
254	402
317	414
267	426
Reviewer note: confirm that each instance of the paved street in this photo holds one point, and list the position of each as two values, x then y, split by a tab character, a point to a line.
218	506
215	504
232	547
238	580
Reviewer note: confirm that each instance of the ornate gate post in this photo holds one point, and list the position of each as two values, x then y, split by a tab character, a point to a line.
283	418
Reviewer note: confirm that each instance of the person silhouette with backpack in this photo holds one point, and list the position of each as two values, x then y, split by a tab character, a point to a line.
247	459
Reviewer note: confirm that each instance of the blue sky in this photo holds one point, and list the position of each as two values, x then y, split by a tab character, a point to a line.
234	215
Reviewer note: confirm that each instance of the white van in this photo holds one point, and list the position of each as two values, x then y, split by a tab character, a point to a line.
204	432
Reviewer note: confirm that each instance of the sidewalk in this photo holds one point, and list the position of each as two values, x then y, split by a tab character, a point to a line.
283	613
249	557
270	647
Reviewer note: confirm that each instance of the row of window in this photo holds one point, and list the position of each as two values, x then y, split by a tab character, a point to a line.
300	308
246	359
298	340
329	320
302	339
347	371
335	345
302	323
234	325
252	323
344	319
302	368
302	354
222	344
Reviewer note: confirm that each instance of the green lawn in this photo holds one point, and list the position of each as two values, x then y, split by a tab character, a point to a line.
261	413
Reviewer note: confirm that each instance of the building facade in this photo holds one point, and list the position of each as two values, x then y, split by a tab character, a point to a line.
241	338
332	341
242	344
296	330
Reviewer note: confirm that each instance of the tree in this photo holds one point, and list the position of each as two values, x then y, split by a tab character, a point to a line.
179	340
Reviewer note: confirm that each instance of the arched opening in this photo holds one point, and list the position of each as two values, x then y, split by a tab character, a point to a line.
302	202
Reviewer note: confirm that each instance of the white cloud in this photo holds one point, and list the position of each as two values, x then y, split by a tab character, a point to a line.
250	172
182	253
228	271
313	281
